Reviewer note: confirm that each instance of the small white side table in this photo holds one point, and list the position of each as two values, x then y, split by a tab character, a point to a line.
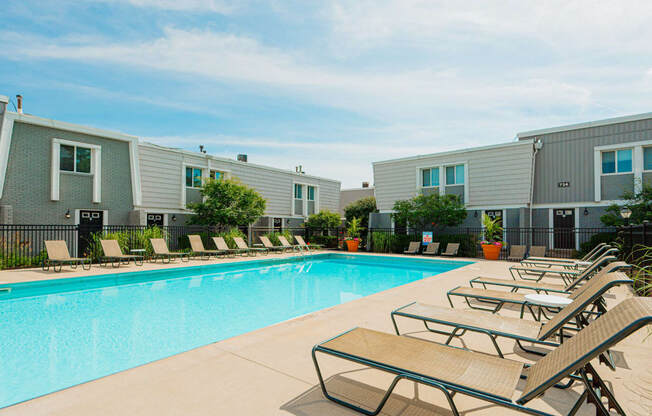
546	301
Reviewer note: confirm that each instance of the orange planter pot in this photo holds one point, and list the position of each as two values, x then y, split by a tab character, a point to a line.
352	245
491	252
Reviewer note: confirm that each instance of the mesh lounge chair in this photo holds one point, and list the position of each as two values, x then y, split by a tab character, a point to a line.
161	251
488	378
302	243
269	246
541	261
222	246
58	255
567	274
451	249
520	330
287	245
197	247
431	249
413	248
537	251
499	298
246	249
516	253
113	254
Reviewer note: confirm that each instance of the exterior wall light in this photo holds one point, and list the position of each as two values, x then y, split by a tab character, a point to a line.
586	211
174	217
625	213
67	214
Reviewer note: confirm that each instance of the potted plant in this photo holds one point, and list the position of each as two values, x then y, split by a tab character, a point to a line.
352	239
492	243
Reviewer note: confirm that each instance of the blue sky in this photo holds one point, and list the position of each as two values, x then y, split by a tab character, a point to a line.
330	85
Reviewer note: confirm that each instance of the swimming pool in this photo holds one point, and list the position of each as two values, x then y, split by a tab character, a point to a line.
56	334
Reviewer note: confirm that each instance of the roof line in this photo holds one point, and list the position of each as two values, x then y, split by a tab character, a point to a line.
584	125
453	152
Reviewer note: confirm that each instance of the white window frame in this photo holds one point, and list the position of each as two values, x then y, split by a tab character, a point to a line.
643	158
55	171
193	167
637	165
420	179
442	178
74	160
454	166
615	151
304	194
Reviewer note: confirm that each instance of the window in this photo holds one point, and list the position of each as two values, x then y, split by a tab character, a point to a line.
617	161
193	177
217	175
455	175
298	191
75	159
311	193
430	177
647	158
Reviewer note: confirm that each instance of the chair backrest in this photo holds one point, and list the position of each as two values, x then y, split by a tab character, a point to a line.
284	241
614	266
576	352
57	250
591	292
266	242
517	251
159	246
220	243
432	248
240	243
196	244
300	240
451	248
413	247
595	252
601	262
537	251
111	248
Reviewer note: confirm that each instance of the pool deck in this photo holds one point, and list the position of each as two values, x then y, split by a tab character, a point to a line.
270	371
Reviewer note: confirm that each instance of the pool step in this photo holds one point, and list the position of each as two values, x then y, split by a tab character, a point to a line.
5	289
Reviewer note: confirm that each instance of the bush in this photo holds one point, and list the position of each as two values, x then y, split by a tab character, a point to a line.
397	243
328	241
324	220
228	236
273	237
15	261
127	240
596	239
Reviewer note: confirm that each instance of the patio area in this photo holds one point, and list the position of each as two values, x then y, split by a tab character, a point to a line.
270	371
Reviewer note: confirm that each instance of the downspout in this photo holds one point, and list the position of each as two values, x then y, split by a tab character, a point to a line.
538	144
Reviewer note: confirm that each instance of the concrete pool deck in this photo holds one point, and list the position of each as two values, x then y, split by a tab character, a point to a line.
270	371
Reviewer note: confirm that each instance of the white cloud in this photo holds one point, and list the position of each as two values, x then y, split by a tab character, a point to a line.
216	6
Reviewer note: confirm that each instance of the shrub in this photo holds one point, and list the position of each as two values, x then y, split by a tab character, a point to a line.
228	236
273	237
127	240
324	220
596	239
397	243
13	261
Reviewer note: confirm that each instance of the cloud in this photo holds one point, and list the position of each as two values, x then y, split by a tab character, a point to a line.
215	6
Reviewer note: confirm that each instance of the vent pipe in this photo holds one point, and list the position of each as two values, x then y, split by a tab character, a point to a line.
242	157
365	184
19	100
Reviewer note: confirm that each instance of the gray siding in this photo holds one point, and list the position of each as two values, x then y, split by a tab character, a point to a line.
497	176
647	178
455	190
348	196
27	182
568	156
160	178
613	186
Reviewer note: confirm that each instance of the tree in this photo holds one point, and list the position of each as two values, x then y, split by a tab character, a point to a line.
434	209
640	203
227	202
361	209
323	220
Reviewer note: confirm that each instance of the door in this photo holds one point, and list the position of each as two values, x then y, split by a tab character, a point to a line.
154	220
563	224
90	222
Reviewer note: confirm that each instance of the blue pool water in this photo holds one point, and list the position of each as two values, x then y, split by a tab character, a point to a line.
60	333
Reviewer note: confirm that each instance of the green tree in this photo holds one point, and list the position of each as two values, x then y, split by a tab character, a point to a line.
361	209
434	209
227	202
640	203
324	219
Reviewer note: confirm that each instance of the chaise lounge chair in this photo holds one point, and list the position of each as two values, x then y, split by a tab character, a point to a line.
222	246
302	243
541	261
246	249
516	253
566	274
162	252
413	248
499	298
488	378
58	255
431	249
494	326
113	254
269	246
537	251
197	247
451	249
287	245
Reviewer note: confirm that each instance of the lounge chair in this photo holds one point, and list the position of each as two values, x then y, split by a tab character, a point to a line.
520	330
222	246
451	249
542	261
113	254
287	245
269	246
516	253
302	243
498	298
413	248
537	251
566	273
453	370
431	249
197	247
161	251
58	255
246	249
